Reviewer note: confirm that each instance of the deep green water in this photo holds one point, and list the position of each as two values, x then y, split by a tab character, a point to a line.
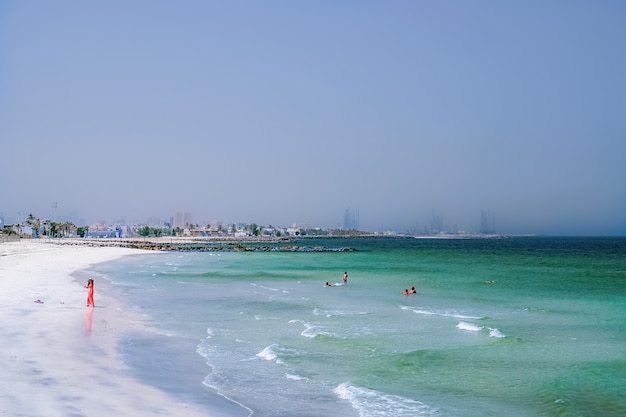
520	326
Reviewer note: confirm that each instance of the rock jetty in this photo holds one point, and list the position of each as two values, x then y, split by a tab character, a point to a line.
185	245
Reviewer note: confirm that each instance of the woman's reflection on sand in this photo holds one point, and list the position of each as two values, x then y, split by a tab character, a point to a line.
88	320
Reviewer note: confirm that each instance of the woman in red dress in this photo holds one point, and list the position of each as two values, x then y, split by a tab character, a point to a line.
89	285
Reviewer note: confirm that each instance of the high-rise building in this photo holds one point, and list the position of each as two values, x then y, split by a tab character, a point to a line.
182	220
351	219
487	222
153	220
436	223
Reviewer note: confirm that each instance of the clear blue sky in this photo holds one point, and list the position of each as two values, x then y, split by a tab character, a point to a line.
281	112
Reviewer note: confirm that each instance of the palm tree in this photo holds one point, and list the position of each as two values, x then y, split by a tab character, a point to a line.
30	220
61	229
36	226
45	224
33	224
66	229
54	229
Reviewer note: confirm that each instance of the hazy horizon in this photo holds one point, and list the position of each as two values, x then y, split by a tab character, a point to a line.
288	113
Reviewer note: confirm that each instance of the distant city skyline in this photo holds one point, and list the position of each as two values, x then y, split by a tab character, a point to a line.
180	219
483	222
420	115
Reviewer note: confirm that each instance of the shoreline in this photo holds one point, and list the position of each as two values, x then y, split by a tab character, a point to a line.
62	358
232	244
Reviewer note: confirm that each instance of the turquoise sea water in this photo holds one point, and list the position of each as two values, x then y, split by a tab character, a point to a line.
519	327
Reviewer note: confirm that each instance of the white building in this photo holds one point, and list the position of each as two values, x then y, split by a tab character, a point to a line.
182	220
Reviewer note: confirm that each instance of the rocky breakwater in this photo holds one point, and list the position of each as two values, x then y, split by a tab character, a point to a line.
198	246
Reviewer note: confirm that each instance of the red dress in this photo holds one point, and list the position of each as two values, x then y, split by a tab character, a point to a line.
90	302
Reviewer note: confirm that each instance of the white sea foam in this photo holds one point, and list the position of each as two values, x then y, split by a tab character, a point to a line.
439	313
475	328
330	313
122	284
296	377
310	330
313	330
268	354
495	333
371	403
469	327
268	288
158	331
221	394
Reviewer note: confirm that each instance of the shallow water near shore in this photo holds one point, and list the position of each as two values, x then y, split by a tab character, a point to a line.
520	326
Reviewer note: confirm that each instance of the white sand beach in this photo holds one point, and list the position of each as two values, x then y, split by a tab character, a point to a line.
59	356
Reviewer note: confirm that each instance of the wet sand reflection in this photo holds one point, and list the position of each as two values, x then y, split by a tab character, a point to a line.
89	319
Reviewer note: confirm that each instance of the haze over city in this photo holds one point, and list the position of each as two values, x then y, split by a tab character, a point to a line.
283	112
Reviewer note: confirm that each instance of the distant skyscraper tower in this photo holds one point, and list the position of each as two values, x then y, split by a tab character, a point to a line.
182	220
487	222
436	223
351	219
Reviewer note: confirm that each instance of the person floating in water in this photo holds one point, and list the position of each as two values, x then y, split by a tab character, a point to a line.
89	285
409	292
345	278
328	284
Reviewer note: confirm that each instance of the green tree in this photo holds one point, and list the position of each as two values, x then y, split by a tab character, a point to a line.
66	229
34	223
8	229
18	228
53	229
45	224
